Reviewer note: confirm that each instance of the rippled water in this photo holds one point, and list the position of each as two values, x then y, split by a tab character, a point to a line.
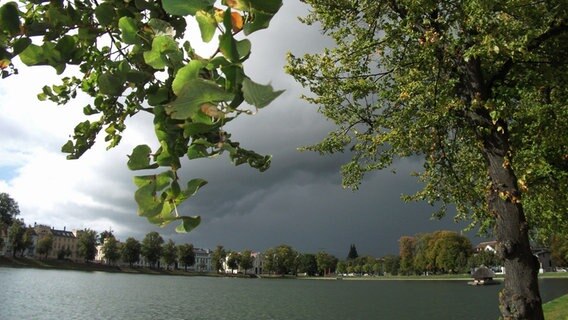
51	294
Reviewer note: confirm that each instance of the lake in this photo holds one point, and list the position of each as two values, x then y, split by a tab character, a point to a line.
54	294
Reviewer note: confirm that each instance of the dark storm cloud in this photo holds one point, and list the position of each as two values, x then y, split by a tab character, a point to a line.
299	200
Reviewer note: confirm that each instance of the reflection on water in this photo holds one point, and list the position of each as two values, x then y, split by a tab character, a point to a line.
50	294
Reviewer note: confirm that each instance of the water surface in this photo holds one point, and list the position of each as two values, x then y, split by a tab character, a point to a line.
55	294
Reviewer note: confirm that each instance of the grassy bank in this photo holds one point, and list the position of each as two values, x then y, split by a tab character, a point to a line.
556	309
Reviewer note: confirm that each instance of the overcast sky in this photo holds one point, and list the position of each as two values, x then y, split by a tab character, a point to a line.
299	201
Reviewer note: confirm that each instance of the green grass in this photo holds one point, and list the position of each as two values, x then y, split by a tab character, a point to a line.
556	309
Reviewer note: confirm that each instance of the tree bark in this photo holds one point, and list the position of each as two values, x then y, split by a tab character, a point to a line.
520	297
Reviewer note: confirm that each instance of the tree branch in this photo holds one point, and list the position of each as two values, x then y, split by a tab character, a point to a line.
553	31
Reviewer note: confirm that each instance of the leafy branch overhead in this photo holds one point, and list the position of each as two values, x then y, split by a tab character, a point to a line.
132	57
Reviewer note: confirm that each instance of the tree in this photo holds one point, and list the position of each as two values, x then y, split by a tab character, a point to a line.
352	255
152	248
246	261
186	255
87	244
326	262
476	89
218	257
9	209
45	245
169	253
308	264
111	249
131	251
281	259
104	235
16	236
406	253
392	264
233	260
133	57
559	250
451	251
27	240
2	230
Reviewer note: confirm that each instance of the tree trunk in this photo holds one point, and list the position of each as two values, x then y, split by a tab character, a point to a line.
520	297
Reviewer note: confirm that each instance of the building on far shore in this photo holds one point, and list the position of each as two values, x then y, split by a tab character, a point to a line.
64	242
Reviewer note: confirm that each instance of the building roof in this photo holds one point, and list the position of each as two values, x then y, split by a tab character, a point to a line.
62	233
483	245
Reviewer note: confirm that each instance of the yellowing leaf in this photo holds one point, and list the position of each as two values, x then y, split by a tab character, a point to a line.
237	21
211	110
4	63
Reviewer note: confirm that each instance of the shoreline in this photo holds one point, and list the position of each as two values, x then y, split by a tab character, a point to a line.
9	262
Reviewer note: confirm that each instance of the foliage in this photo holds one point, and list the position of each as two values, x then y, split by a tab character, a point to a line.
233	260
16	236
104	235
406	253
341	267
326	263
485	258
169	253
352	253
45	245
87	244
133	57
9	209
440	251
559	250
130	251
111	249
186	255
246	261
64	253
475	89
218	257
391	264
308	264
151	248
281	259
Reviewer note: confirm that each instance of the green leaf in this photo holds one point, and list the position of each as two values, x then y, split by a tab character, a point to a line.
10	18
21	44
194	93
259	95
196	151
66	46
243	48
161	27
188	224
160	46
129	30
185	7
262	11
105	13
192	187
110	84
158	97
227	44
185	74
68	147
33	55
207	25
195	128
140	158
